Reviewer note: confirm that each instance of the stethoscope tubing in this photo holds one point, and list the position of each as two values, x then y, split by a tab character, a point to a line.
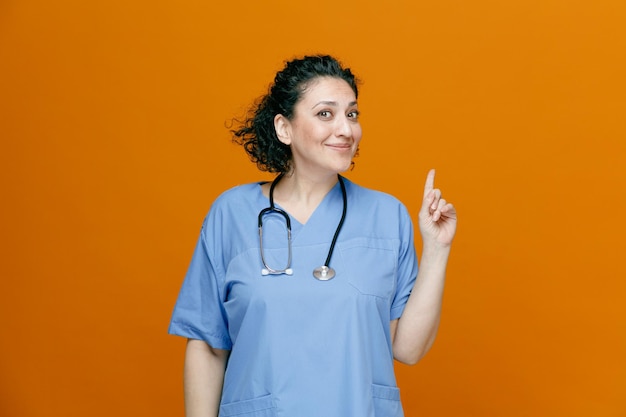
322	273
267	270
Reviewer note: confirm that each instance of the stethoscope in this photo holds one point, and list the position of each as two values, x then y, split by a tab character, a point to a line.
322	273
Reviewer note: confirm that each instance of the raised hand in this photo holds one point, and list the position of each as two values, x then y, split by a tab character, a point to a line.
437	217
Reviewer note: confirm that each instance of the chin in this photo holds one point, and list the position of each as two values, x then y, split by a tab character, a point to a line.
345	167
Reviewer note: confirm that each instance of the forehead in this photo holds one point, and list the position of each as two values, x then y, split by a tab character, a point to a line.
328	89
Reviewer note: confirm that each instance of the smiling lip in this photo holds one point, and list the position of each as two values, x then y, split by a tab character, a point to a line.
340	146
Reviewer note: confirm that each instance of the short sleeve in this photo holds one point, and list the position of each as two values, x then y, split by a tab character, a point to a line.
199	311
407	265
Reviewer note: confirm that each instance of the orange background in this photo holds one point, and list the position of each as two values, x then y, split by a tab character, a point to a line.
113	147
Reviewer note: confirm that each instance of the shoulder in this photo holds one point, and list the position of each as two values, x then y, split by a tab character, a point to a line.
363	195
376	214
234	201
238	194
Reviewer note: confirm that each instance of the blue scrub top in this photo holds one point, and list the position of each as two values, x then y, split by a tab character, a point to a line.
299	346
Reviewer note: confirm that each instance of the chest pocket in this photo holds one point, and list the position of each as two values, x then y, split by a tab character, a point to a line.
371	265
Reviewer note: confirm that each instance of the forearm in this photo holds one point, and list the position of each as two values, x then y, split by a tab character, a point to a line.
416	330
203	378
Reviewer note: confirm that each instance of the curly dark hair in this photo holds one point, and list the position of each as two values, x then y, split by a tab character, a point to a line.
256	132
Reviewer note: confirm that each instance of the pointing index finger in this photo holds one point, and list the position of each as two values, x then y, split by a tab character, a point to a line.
430	182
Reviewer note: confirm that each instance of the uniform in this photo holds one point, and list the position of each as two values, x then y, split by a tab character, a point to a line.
302	347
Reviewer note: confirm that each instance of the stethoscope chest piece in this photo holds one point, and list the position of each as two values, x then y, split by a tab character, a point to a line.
324	273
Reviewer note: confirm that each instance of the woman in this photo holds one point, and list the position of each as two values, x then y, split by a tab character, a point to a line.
307	323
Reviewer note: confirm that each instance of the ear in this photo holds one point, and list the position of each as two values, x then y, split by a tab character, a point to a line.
282	127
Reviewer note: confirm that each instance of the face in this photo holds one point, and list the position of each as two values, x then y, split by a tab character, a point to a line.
324	132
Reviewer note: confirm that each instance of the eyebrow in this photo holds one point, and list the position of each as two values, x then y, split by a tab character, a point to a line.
332	103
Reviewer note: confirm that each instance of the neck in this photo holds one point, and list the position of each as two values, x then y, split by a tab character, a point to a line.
300	195
298	187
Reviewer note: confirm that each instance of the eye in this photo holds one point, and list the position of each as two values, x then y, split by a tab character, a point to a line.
325	114
354	115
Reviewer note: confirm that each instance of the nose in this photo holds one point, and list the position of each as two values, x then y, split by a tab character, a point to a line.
344	127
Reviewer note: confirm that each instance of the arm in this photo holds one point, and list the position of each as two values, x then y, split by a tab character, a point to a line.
414	333
203	378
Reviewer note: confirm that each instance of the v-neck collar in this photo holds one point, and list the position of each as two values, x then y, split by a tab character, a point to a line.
326	215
